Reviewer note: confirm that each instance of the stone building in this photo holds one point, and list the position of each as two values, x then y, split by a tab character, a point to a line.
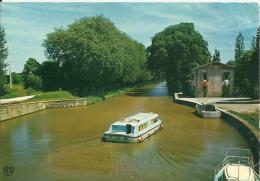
213	79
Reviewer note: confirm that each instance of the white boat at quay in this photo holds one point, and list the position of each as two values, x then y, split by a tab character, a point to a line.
207	110
133	129
237	165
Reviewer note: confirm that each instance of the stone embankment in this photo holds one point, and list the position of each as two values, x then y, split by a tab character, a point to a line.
250	133
8	111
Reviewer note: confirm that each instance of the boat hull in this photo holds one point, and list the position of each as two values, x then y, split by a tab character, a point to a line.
118	138
209	114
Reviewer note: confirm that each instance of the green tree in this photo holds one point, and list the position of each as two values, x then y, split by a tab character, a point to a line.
33	81
3	57
239	47
232	63
216	56
31	67
17	78
50	74
30	74
94	56
242	70
254	66
174	52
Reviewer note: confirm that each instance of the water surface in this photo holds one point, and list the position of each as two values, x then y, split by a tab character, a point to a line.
64	144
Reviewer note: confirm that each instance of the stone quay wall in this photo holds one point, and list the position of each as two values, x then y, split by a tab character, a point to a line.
8	111
250	133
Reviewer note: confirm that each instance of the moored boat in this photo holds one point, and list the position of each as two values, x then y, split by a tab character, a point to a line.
237	165
207	110
133	129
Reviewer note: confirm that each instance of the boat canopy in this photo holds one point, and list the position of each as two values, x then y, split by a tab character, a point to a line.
235	171
137	119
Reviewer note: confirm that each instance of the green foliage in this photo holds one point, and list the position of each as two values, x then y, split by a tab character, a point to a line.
3	55
93	56
2	91
30	74
253	74
174	52
17	78
17	91
30	67
50	74
33	81
232	63
239	47
247	67
216	56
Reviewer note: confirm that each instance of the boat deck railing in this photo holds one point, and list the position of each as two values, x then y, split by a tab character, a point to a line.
237	156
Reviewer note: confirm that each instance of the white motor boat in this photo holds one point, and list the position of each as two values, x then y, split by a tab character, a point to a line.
133	129
237	165
207	110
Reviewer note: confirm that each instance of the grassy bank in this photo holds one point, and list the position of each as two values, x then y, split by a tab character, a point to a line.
251	118
62	95
106	95
53	95
18	91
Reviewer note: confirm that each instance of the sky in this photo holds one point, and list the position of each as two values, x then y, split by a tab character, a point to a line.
26	24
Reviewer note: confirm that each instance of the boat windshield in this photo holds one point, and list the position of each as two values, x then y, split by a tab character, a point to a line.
118	128
210	107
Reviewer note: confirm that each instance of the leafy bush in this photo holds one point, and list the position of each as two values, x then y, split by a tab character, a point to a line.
33	81
17	91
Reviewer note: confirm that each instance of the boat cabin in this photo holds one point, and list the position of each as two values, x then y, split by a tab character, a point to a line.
133	128
134	124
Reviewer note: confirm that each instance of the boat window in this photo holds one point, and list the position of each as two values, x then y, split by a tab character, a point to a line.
153	121
222	178
118	128
143	126
210	108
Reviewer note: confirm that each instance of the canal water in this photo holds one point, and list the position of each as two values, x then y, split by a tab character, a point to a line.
64	144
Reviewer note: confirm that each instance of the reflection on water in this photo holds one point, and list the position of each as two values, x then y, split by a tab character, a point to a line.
158	90
64	144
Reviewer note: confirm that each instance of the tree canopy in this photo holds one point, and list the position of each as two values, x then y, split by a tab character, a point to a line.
174	52
239	47
92	55
247	67
30	74
216	56
3	57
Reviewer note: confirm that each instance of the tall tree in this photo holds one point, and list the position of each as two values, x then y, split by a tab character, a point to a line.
30	74
254	66
31	67
3	57
239	47
216	56
174	52
94	56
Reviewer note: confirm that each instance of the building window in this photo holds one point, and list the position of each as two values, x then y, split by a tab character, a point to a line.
205	76
226	76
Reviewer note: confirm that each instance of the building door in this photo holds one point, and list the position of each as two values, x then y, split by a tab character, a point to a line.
215	84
